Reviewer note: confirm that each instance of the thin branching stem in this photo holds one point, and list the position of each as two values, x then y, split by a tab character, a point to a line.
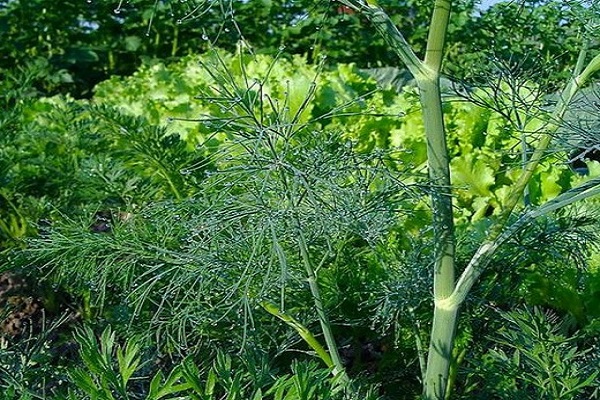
316	295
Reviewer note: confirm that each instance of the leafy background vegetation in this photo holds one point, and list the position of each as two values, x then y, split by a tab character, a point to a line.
175	184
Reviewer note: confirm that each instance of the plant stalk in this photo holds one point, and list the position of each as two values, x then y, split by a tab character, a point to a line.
444	323
338	368
427	76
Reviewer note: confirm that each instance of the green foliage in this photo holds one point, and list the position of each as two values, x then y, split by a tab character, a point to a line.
63	156
109	372
183	198
173	94
83	43
36	363
100	380
234	244
214	220
17	95
547	263
535	357
539	39
483	144
277	186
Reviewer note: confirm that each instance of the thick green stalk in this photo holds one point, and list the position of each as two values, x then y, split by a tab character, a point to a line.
444	319
500	233
427	76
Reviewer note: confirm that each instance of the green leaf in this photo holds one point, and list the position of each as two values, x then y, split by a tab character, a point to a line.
89	351
132	43
516	358
107	343
302	331
155	385
128	361
473	174
84	381
171	385
191	374
211	381
235	391
258	395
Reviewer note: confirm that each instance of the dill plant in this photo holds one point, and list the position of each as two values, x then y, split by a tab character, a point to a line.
450	291
250	248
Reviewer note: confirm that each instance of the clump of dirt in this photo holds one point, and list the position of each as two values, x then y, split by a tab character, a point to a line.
20	310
